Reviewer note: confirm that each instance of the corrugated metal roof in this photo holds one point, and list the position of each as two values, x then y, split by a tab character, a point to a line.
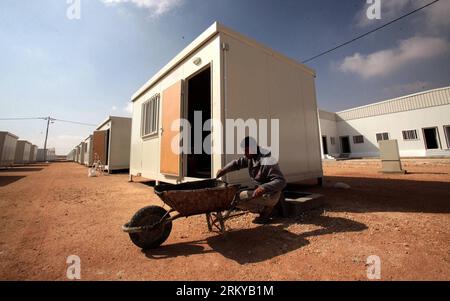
425	99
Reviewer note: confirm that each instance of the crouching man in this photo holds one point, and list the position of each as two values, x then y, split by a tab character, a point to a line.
266	174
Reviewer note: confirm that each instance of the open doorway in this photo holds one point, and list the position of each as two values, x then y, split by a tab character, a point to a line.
447	135
431	138
325	145
108	135
345	145
199	100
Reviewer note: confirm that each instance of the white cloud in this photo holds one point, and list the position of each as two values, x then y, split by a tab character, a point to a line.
390	60
114	108
157	7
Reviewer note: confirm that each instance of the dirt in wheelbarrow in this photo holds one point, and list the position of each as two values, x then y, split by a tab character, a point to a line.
53	211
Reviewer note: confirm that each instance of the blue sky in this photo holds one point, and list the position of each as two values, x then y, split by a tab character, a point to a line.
87	69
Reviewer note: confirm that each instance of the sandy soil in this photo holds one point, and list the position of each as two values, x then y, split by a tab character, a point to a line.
48	212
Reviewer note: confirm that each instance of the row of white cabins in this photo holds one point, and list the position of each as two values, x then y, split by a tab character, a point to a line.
228	76
18	152
108	145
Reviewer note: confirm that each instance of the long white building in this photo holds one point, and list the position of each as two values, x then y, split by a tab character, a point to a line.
419	122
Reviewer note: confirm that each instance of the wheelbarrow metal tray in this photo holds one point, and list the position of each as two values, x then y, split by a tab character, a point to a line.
198	197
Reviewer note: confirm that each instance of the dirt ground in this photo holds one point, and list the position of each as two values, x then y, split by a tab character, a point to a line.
48	212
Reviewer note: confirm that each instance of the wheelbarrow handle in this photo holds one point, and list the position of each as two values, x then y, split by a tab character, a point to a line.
219	179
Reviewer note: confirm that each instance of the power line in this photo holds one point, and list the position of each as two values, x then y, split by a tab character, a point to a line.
49	120
369	32
46	118
74	122
31	118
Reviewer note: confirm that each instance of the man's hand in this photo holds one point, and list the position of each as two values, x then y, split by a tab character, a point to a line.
220	173
259	192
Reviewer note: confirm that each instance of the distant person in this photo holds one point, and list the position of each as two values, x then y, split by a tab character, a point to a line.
266	173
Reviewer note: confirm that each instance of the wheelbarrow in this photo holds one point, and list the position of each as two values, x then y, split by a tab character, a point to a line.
151	226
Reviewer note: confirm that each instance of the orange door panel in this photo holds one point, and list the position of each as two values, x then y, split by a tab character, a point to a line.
171	111
99	146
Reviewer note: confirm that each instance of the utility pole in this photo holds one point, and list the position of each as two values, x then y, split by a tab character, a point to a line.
46	137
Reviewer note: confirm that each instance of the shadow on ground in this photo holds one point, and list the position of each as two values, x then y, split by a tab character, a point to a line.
426	173
261	243
6	180
386	195
21	169
365	195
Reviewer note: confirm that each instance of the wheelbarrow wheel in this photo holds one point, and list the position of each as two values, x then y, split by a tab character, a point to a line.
151	238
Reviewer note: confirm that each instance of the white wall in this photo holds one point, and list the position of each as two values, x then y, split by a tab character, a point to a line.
261	85
119	151
328	128
88	157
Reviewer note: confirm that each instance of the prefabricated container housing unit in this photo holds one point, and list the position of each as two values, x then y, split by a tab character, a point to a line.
225	76
46	156
77	153
81	156
33	153
8	144
74	155
41	155
71	155
23	150
88	154
51	155
111	143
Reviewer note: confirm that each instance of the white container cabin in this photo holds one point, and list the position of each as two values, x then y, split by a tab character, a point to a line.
77	153
71	156
226	76
8	143
111	143
88	154
48	155
33	153
23	149
81	153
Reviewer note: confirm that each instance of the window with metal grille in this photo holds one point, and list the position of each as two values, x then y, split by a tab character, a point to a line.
333	140
358	139
410	135
382	136
150	116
